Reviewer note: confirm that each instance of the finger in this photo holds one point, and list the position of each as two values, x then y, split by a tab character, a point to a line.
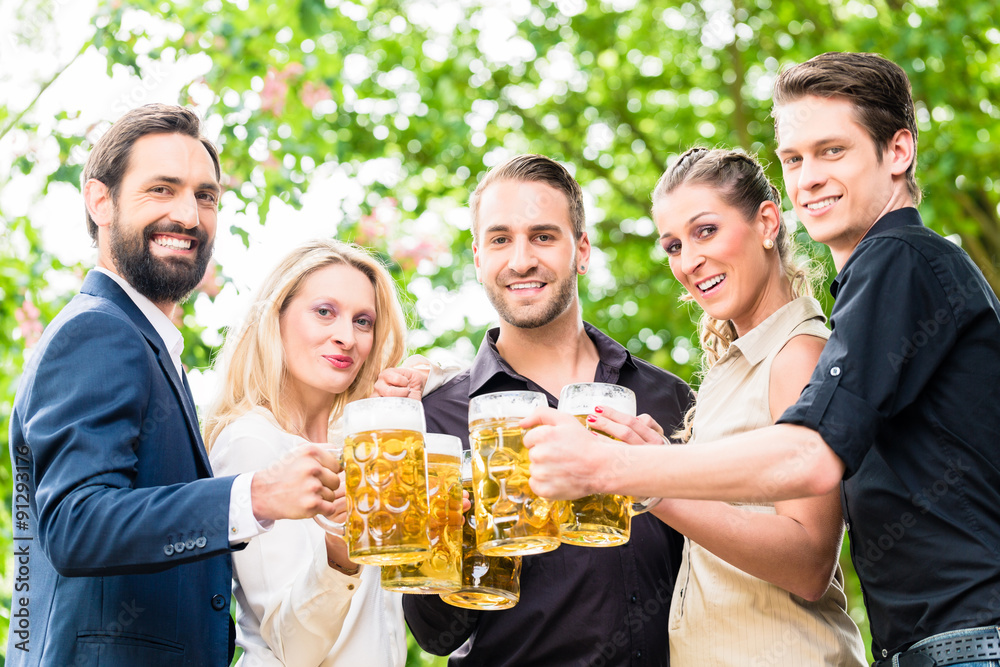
651	423
546	415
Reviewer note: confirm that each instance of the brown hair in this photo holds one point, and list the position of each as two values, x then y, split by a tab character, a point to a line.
534	169
877	87
109	160
741	183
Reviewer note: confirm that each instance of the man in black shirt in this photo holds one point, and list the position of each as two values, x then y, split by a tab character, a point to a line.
901	409
579	606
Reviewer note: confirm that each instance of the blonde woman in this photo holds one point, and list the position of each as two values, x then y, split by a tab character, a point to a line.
322	327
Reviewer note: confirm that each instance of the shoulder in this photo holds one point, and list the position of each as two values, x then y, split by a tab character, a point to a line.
904	248
251	441
799	353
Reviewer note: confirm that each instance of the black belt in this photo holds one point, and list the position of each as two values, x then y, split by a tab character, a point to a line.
951	648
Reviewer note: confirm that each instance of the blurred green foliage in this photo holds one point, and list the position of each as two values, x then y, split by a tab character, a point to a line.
414	99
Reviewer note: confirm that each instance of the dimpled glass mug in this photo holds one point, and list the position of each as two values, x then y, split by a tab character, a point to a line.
603	519
386	475
488	582
510	519
441	571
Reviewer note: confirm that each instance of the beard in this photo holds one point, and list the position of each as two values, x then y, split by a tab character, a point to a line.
537	315
161	280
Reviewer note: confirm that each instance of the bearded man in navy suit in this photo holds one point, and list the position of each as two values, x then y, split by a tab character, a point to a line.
122	536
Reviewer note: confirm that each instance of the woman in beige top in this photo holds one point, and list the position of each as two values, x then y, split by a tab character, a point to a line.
760	584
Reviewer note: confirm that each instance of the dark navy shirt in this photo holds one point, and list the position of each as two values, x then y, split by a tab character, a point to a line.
905	393
579	606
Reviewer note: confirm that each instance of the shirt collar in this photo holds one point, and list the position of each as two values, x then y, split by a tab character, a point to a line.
891	220
164	328
488	363
759	341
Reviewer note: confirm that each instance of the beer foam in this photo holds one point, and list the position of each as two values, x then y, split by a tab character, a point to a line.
441	443
581	399
375	414
505	405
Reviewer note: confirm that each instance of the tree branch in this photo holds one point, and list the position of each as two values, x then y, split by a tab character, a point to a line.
13	123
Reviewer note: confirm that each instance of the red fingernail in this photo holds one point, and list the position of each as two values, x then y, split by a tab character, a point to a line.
598	410
591	418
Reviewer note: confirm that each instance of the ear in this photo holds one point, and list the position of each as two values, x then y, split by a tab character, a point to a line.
769	220
98	201
899	153
475	262
583	253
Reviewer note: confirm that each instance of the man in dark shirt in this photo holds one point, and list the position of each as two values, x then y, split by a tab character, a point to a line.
902	405
579	605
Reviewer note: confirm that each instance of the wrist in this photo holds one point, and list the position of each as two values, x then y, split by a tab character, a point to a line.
350	570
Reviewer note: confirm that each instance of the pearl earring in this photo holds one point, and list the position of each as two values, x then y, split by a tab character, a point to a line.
768	244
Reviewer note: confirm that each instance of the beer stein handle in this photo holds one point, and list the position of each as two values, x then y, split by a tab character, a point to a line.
641	505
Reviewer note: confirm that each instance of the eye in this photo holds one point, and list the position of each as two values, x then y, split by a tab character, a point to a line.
834	150
789	161
160	189
672	247
324	311
364	322
207	197
544	238
498	240
705	232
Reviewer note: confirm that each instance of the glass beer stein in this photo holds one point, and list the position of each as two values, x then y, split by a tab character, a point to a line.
441	570
510	519
603	519
488	582
386	475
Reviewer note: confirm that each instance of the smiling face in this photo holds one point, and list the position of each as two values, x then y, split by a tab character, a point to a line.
159	230
837	184
327	332
718	255
526	254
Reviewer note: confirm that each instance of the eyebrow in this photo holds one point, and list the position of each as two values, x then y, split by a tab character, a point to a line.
541	227
689	222
814	144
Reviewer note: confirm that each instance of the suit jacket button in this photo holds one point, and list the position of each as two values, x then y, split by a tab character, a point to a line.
179	547
218	602
168	549
189	544
201	542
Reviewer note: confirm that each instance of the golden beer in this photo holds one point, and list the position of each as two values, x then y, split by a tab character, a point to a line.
441	571
488	582
602	519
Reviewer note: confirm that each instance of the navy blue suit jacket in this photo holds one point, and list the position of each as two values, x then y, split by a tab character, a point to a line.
120	540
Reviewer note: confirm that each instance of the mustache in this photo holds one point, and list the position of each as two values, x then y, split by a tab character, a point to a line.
508	276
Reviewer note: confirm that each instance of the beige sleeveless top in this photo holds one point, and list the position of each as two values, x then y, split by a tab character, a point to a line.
720	615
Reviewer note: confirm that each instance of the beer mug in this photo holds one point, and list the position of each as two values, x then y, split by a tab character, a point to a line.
488	582
386	475
510	519
441	570
602	519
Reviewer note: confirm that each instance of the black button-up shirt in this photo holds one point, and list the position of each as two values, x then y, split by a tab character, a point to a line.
579	606
905	394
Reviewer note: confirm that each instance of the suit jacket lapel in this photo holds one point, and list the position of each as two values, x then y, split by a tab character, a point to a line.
99	285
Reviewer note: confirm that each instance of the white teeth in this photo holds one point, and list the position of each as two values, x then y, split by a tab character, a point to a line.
526	286
171	242
820	204
710	283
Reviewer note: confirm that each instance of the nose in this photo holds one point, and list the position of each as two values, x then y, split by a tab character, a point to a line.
691	259
522	258
342	332
185	211
810	175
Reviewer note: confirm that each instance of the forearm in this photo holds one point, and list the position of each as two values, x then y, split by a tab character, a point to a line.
102	530
438	627
772	547
774	463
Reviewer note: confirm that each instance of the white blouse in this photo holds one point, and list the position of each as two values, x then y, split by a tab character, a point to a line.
294	609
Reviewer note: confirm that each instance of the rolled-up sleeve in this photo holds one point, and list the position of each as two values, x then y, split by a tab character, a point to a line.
893	326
